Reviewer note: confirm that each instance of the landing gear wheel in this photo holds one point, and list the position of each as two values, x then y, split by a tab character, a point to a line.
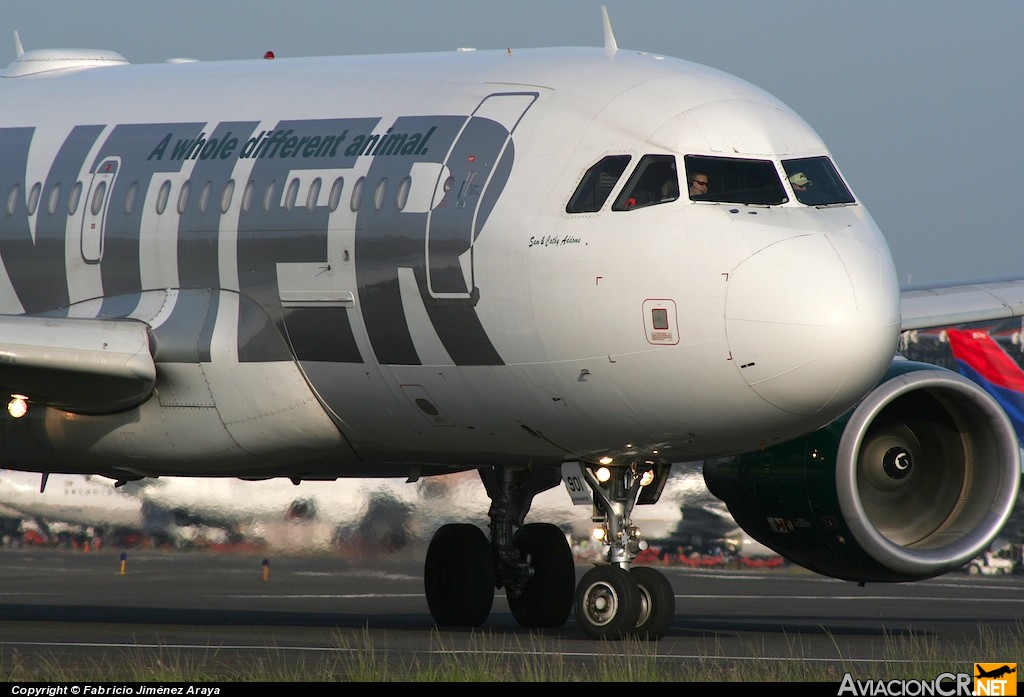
546	601
607	603
657	602
458	576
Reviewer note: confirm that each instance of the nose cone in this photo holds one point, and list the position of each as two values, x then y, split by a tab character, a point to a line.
813	322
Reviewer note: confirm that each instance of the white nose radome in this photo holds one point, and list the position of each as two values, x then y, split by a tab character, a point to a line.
813	321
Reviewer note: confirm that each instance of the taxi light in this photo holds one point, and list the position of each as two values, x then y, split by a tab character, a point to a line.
18	406
603	474
647	477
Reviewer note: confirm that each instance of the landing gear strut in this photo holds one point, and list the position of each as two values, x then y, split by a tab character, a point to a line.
534	564
615	599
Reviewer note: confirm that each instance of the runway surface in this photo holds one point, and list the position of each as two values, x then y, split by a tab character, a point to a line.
71	606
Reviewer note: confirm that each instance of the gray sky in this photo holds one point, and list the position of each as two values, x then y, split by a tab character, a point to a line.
920	101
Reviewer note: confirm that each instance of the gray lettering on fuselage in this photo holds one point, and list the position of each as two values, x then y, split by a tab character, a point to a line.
16	238
198	241
455	222
120	268
28	262
385	240
199	227
51	227
389	239
185	336
261	244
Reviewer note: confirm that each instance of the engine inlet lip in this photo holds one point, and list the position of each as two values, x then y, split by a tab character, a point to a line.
925	563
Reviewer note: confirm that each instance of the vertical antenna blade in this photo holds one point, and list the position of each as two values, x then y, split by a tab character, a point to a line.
610	46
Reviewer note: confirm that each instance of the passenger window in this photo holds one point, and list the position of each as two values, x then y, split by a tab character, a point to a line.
12	199
402	197
269	196
98	196
33	197
653	181
335	198
204	196
816	182
291	194
74	198
51	206
314	194
129	198
182	197
357	194
247	195
597	184
735	180
226	195
162	197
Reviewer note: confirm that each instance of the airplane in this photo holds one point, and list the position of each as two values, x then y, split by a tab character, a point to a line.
82	500
275	514
980	358
996	672
370	514
485	260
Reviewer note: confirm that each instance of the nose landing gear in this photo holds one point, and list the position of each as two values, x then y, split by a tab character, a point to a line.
534	563
615	599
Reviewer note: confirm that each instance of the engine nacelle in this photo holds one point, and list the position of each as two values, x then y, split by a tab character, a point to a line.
914	482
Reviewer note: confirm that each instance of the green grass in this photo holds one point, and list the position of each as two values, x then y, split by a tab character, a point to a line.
491	658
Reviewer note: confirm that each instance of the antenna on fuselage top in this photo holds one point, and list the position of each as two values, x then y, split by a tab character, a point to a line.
610	47
17	44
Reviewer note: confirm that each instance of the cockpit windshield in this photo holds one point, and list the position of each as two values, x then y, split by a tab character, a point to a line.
734	180
816	182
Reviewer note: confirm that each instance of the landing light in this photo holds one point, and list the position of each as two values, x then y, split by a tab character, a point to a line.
605	460
647	478
18	406
603	474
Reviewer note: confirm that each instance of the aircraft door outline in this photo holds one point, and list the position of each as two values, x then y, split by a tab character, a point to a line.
97	200
469	165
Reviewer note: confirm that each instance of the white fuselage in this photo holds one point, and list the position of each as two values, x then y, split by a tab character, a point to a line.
517	333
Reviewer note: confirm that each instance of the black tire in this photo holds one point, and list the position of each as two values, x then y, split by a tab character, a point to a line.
657	602
607	603
546	602
458	576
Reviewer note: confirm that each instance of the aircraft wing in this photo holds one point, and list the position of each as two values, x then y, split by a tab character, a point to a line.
87	366
926	306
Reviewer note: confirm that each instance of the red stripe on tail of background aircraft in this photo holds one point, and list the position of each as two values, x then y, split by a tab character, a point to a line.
980	351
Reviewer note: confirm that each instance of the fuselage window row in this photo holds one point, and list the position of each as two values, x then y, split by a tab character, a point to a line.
99	191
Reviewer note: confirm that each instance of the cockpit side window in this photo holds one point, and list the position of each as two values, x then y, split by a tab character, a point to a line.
653	181
597	184
816	182
734	180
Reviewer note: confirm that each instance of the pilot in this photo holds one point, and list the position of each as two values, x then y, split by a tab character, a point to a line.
800	181
670	189
698	184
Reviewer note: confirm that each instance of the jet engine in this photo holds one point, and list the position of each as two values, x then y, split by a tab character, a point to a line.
915	481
